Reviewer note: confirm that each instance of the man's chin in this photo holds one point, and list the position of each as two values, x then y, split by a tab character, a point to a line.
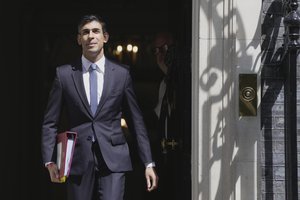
91	48
92	51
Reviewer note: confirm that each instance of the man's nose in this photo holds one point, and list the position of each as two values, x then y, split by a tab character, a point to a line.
91	34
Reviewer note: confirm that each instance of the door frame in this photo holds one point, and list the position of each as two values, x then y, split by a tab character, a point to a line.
195	99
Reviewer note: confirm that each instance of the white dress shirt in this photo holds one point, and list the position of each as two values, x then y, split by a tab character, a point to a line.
86	76
157	109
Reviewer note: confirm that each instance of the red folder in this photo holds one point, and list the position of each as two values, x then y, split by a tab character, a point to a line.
65	149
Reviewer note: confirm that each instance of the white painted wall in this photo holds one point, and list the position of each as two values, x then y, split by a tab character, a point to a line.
225	43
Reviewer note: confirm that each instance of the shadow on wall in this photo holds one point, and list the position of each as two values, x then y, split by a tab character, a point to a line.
223	93
272	118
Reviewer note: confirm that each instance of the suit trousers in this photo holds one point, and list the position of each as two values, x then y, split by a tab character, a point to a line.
98	182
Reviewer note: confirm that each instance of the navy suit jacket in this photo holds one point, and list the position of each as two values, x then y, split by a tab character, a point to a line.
118	97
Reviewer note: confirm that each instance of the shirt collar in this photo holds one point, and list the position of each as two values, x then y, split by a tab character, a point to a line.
86	64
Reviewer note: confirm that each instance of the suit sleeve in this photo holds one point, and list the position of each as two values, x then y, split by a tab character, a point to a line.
51	119
135	121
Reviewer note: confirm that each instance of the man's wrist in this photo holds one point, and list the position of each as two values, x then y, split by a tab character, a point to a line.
47	164
150	165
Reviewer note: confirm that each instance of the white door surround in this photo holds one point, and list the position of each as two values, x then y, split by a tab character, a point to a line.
225	155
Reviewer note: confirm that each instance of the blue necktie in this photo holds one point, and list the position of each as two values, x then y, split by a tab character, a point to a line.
93	88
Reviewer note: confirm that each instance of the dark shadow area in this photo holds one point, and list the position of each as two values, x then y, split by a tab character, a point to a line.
272	103
41	36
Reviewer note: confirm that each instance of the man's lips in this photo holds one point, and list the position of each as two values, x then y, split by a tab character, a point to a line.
91	44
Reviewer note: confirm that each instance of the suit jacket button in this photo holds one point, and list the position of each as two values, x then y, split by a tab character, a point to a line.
89	138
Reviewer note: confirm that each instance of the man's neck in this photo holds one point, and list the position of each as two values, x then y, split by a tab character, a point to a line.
93	58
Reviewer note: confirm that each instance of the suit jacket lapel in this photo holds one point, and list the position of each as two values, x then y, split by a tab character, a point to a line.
78	82
108	79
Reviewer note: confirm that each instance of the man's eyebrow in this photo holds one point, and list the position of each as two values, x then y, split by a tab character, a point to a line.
93	29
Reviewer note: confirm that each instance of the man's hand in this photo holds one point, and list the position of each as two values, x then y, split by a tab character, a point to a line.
151	178
53	171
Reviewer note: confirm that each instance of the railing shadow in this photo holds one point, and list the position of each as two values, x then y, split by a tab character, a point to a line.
271	57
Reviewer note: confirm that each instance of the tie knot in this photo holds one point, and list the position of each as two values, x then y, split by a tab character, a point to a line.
93	66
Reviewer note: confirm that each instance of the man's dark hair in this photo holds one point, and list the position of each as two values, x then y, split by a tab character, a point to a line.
89	18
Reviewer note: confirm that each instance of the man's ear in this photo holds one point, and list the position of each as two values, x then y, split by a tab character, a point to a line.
79	39
106	37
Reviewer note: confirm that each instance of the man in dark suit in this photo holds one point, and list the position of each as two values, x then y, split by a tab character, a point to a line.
101	155
169	147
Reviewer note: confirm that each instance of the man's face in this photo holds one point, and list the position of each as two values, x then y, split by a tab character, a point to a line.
160	50
92	39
